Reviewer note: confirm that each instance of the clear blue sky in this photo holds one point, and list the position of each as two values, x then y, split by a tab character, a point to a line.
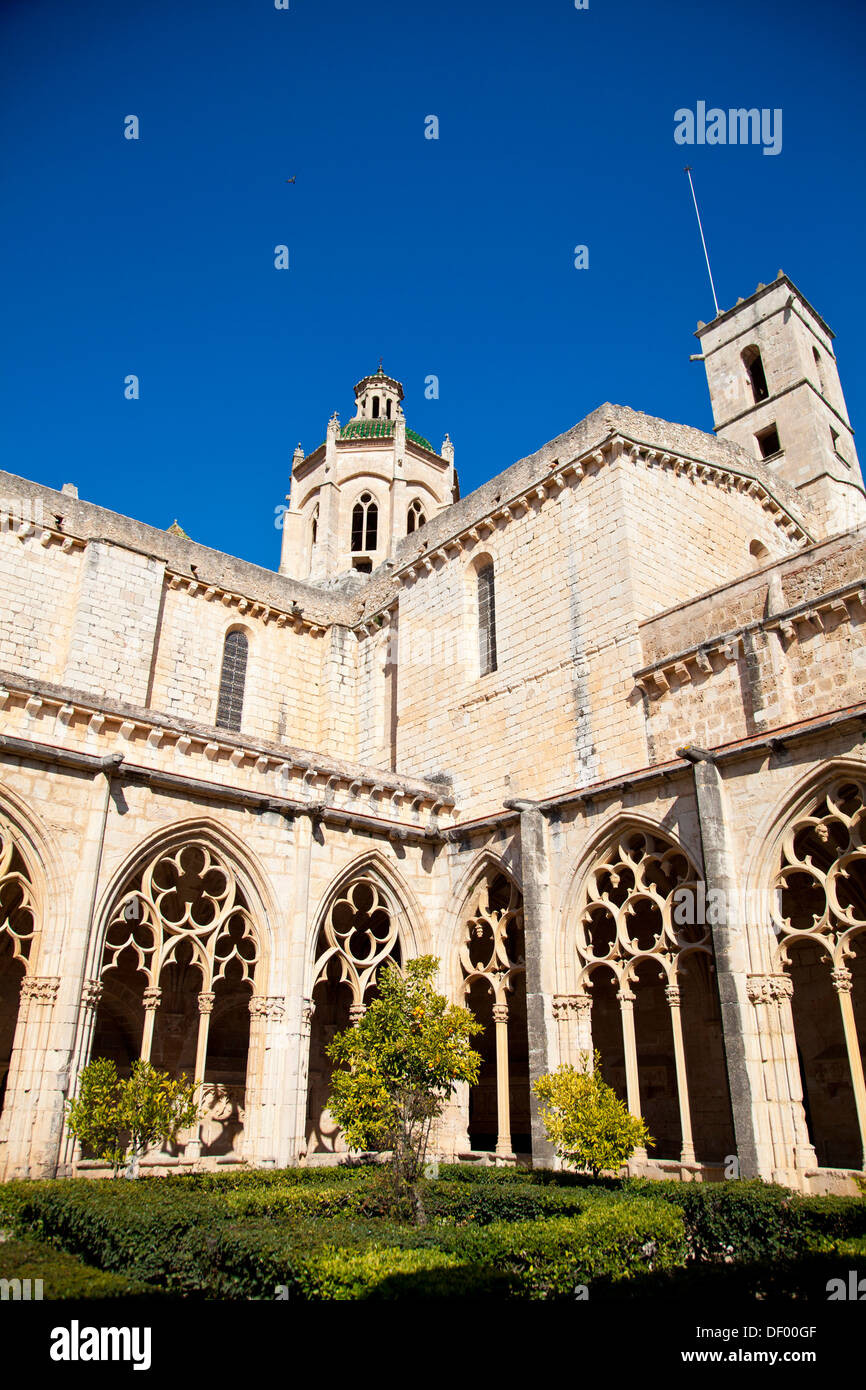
451	257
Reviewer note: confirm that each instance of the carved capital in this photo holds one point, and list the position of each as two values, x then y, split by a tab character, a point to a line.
267	1008
356	1013
91	993
308	1009
151	997
500	1013
40	989
769	989
842	979
625	997
205	1002
672	995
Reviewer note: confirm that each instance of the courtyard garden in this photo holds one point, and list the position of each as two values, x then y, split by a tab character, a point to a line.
323	1234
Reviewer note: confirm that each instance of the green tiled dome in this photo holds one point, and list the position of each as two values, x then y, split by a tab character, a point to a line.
381	429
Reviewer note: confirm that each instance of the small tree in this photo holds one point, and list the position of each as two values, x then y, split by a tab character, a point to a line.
587	1123
402	1062
118	1120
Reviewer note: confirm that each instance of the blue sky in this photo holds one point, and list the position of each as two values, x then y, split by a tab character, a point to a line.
453	257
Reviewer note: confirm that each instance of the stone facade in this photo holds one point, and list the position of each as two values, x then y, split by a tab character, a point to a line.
592	735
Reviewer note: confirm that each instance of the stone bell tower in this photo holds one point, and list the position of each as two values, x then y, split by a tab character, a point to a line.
775	390
371	483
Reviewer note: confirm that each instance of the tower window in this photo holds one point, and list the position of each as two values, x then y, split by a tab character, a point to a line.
375	407
768	441
388	409
760	554
365	523
486	621
819	367
416	517
232	680
314	526
755	371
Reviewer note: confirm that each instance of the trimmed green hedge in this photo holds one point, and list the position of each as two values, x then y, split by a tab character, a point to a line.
62	1275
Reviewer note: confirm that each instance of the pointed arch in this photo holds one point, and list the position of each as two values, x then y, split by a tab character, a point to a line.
639	960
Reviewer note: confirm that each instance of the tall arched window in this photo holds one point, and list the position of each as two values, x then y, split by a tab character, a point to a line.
486	620
232	679
375	411
416	517
314	527
757	377
365	523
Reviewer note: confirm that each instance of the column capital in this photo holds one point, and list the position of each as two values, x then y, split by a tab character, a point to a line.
267	1007
842	978
40	989
206	1002
769	989
500	1013
151	997
91	994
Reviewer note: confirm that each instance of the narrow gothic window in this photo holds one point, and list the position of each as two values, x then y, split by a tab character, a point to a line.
416	517
365	523
375	407
486	621
232	679
757	377
315	525
388	409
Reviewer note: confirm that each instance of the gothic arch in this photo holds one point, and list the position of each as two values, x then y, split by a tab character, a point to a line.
809	875
614	825
484	860
637	926
366	921
178	968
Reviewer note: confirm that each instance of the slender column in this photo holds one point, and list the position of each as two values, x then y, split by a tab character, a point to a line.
36	1005
192	1150
356	1013
150	1000
842	983
626	1009
503	1097
672	994
789	1139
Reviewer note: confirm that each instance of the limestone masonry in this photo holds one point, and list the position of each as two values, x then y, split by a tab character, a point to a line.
593	735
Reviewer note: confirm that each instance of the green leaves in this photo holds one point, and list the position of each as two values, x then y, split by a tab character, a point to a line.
401	1063
117	1120
587	1123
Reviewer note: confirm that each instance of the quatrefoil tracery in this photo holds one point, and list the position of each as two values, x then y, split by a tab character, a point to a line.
819	891
360	932
641	902
17	907
492	948
186	896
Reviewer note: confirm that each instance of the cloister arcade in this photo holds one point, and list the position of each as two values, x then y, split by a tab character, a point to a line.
182	979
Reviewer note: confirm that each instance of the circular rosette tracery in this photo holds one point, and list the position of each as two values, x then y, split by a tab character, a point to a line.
360	934
184	898
819	889
17	907
492	947
643	899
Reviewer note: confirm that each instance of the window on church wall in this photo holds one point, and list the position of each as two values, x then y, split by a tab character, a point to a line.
415	518
233	676
647	998
486	619
818	908
388	410
755	372
819	367
177	983
365	524
314	526
759	553
375	411
17	935
357	939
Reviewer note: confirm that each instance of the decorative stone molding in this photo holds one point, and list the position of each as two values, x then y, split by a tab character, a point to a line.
843	980
40	989
206	1002
270	1009
769	989
91	994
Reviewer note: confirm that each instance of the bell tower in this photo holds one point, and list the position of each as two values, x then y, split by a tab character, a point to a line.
371	483
775	391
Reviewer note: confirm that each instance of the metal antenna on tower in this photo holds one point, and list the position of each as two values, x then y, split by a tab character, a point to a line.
688	170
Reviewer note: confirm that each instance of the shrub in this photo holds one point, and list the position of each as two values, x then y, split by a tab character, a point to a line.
118	1120
587	1123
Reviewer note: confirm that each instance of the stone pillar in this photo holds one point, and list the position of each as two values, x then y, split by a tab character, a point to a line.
632	1078
503	1095
672	994
192	1149
842	983
538	936
32	1038
150	1001
791	1147
267	1015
